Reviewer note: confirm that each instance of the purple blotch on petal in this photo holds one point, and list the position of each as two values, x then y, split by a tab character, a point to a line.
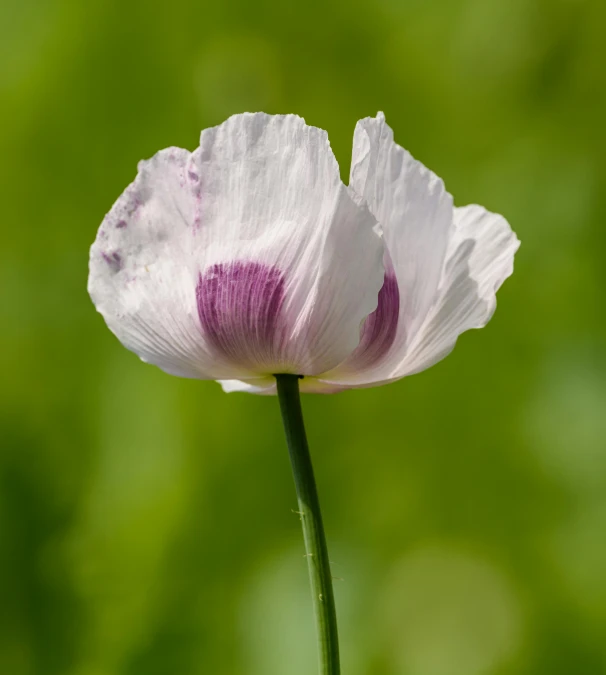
114	260
121	224
380	328
197	191
239	306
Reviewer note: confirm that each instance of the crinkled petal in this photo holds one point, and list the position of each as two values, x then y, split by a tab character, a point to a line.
479	259
443	265
241	259
416	216
142	273
413	208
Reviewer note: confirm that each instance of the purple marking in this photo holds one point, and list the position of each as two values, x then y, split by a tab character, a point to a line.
380	328
121	224
197	207
196	188
132	206
239	306
114	260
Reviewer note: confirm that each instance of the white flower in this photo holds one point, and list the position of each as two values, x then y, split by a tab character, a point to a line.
249	257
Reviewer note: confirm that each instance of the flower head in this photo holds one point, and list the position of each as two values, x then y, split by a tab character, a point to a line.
249	257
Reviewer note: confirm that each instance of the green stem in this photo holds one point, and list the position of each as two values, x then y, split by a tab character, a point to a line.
311	519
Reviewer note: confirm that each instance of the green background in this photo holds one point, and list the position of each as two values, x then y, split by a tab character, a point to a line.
146	523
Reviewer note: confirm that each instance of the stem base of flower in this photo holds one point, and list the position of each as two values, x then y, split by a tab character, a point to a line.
311	521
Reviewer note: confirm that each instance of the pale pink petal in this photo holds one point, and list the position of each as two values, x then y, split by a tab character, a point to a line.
416	215
448	264
263	386
241	259
480	258
267	386
273	201
141	268
413	209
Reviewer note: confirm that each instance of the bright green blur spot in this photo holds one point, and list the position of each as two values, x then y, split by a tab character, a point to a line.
146	523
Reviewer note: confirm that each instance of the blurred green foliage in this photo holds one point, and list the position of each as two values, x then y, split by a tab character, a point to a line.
145	521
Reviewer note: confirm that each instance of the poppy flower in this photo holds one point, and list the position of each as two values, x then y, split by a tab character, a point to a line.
249	257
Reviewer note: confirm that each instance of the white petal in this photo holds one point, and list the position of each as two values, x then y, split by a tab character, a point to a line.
480	258
267	386
416	215
474	249
263	386
273	196
141	272
413	208
245	258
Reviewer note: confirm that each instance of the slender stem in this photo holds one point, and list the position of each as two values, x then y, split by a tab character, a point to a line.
311	519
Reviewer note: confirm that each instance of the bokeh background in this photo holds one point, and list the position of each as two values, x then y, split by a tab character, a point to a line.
146	523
